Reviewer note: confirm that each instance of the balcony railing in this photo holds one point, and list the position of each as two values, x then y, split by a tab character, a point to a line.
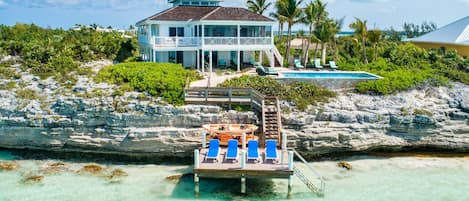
197	41
177	41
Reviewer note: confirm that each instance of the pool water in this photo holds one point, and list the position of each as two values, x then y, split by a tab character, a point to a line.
329	75
404	179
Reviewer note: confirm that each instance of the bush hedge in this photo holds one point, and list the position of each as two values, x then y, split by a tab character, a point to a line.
164	80
301	94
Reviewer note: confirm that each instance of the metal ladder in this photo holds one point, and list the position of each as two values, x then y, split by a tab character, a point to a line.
307	181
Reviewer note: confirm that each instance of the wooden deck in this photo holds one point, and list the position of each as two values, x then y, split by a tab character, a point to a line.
232	168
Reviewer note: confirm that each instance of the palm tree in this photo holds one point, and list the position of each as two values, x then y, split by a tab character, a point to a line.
325	32
375	37
314	13
291	11
281	20
258	6
361	31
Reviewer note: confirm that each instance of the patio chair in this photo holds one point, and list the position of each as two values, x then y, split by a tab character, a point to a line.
221	63
333	65
213	150
298	65
253	150
317	64
271	71
260	70
232	152
271	150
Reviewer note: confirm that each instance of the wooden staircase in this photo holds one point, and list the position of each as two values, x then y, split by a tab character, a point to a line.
271	119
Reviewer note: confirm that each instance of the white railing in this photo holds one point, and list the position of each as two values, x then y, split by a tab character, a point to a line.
255	41
221	40
197	41
177	41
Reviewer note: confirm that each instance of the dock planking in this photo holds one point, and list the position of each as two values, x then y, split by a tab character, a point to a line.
253	169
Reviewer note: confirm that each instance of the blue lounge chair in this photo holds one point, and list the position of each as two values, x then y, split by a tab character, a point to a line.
317	64
333	65
253	150
232	152
271	150
298	65
213	150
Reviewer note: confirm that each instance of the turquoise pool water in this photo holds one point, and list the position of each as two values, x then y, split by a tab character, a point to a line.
329	75
403	179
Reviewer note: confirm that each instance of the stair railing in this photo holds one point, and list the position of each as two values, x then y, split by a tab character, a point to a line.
318	176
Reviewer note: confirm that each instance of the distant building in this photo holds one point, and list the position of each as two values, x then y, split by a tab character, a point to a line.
453	36
201	33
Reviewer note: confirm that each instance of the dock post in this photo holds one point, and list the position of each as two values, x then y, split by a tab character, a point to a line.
290	167
244	141
204	140
284	147
196	185
243	159
196	176
243	184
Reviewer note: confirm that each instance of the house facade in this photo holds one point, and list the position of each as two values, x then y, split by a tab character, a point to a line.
203	35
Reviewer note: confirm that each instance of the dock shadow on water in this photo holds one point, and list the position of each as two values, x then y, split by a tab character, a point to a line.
224	189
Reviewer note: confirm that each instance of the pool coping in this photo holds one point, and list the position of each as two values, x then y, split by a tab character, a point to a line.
376	77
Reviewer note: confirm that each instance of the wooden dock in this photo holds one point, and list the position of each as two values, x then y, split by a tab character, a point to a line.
234	169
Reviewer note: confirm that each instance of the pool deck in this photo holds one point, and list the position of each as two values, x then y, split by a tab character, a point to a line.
262	168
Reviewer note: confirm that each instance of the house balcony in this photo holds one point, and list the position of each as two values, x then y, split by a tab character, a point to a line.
185	42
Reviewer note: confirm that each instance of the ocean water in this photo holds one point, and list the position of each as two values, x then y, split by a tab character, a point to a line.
405	178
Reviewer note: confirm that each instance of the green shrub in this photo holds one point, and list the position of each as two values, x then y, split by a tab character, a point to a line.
301	94
26	94
422	112
164	80
9	86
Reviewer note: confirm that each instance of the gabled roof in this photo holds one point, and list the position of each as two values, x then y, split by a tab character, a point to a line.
198	13
454	33
238	14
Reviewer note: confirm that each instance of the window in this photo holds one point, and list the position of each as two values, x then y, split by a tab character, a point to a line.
176	31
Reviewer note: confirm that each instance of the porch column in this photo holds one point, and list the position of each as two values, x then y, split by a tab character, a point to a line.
203	35
203	61
154	56
211	62
197	58
239	61
239	35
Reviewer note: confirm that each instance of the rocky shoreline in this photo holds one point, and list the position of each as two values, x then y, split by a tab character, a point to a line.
87	118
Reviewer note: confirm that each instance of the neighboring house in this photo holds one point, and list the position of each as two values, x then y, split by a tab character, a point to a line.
452	36
197	33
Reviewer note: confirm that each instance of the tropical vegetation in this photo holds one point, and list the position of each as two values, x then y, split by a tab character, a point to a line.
56	52
299	93
402	65
164	80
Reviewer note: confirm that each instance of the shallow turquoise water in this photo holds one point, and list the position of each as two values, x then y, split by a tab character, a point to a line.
412	179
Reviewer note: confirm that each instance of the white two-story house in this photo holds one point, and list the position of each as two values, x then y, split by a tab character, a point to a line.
203	35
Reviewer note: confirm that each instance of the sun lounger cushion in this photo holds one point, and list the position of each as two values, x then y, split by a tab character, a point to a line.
271	149
213	149
232	152
253	149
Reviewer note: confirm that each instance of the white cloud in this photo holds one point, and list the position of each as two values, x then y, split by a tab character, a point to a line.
3	4
465	1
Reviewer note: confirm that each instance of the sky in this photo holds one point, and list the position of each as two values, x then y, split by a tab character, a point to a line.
380	14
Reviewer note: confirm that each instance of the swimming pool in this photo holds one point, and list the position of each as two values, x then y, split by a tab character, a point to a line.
337	80
329	75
